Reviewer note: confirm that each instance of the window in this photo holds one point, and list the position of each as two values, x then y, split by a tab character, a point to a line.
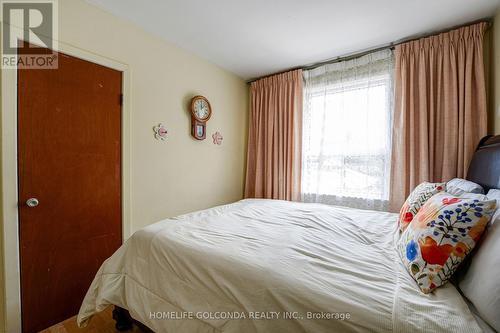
346	148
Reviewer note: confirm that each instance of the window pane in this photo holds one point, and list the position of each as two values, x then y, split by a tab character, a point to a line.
346	144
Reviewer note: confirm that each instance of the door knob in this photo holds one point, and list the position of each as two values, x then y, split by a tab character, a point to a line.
32	202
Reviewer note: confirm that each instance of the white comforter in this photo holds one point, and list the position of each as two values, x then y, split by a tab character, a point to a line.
243	267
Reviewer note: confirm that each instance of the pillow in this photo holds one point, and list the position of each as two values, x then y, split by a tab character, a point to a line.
458	186
481	283
442	233
467	195
494	194
416	200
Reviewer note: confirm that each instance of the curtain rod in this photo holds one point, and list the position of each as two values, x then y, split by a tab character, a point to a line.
391	45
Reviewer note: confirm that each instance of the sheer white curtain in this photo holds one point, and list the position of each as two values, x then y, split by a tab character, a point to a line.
347	120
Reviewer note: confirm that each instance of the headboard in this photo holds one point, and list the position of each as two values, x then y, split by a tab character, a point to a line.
484	169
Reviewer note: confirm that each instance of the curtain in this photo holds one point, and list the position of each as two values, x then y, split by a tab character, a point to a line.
274	146
440	108
347	132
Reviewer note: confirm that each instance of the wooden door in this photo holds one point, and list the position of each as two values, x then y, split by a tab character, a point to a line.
69	159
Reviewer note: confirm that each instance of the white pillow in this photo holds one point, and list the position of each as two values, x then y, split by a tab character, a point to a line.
494	194
481	283
458	186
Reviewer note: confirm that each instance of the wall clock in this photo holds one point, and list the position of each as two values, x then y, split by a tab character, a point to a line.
200	113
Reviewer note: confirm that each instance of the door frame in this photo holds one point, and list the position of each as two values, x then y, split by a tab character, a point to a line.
9	176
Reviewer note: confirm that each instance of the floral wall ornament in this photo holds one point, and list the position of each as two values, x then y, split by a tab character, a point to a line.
160	132
217	138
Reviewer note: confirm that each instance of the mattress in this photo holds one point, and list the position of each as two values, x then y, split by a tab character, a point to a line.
272	266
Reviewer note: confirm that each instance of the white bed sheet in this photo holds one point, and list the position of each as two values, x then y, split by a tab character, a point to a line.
259	257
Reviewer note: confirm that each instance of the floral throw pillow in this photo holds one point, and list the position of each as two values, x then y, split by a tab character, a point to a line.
416	200
442	233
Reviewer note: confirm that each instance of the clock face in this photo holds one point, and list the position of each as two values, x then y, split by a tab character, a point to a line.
201	109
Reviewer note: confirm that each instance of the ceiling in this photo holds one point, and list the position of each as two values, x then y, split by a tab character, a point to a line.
252	38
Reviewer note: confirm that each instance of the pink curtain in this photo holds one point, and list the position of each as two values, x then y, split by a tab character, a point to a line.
440	108
274	138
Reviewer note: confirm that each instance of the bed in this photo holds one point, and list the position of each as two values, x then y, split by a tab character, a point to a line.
277	266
